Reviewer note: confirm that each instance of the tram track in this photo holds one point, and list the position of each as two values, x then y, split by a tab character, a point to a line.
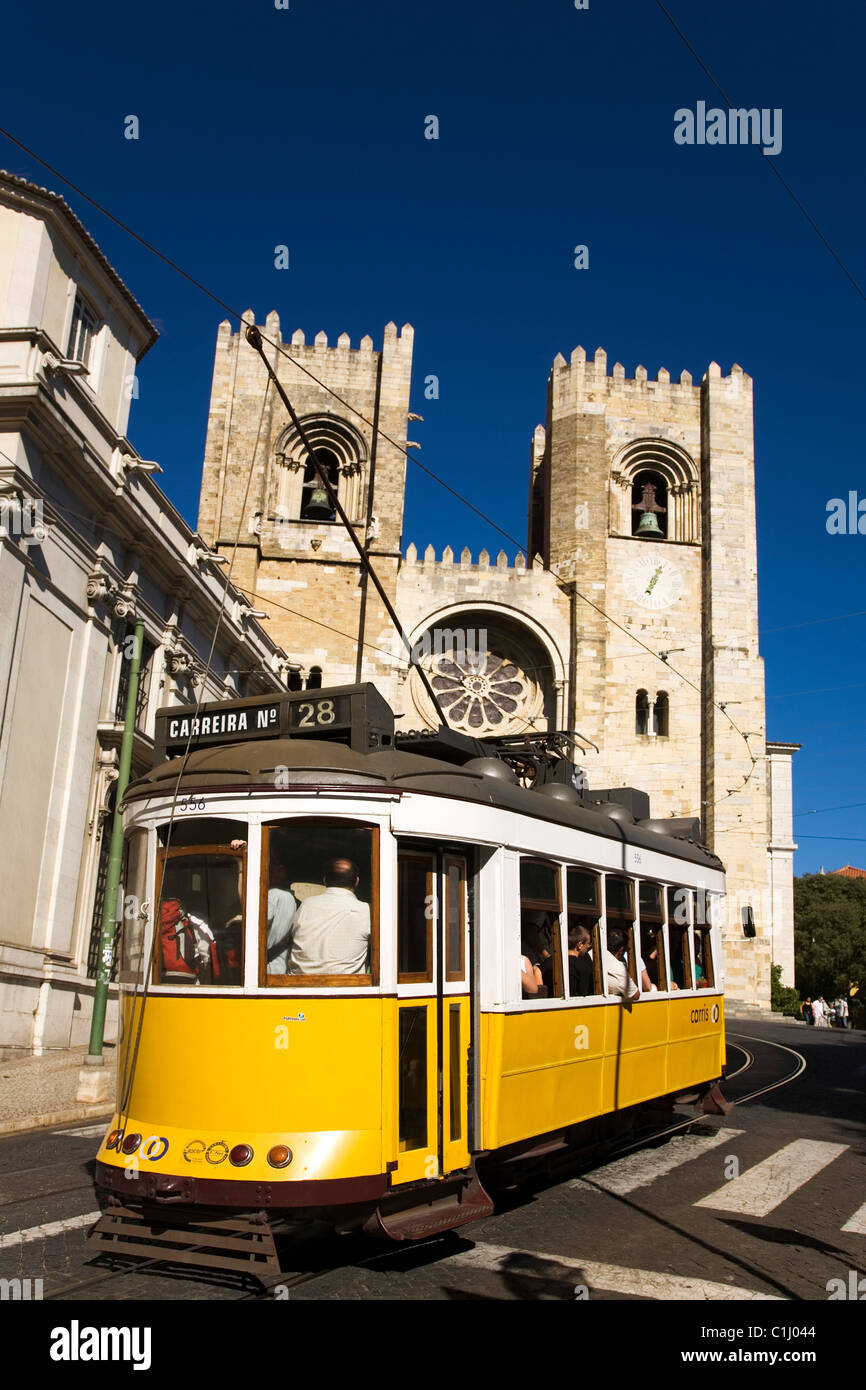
41	1195
285	1283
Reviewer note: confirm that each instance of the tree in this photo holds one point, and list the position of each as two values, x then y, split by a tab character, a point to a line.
830	935
782	999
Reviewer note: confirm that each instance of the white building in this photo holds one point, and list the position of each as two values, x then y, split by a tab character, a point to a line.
88	544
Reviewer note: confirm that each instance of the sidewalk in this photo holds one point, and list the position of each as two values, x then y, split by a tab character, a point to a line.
39	1091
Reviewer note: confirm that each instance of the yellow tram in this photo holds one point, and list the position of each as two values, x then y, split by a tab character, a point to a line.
324	1006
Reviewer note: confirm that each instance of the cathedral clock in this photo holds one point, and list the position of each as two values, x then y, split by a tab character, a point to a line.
653	581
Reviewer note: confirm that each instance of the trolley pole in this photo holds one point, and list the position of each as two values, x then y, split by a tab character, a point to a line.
93	1085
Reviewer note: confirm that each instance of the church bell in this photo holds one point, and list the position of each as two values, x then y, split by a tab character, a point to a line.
649	526
318	505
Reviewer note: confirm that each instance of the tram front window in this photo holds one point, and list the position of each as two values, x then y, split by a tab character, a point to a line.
319	909
200	896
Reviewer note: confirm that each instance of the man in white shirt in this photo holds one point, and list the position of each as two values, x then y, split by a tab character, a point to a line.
282	906
619	981
331	931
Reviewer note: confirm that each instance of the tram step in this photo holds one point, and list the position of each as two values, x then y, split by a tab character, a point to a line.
465	1201
236	1243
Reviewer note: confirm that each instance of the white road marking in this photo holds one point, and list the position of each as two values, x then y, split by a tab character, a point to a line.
51	1228
764	1187
643	1283
626	1175
86	1132
857	1224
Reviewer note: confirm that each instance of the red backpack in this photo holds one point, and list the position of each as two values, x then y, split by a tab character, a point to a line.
174	936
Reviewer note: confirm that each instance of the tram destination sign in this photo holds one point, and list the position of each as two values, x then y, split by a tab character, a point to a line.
352	714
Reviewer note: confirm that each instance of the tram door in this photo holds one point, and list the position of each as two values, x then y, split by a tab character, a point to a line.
433	1010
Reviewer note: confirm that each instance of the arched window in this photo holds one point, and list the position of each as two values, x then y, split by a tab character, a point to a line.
641	713
314	679
672	476
649	505
315	502
661	714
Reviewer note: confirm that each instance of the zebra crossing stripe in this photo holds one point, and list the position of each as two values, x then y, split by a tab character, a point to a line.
51	1228
857	1224
636	1170
638	1283
766	1186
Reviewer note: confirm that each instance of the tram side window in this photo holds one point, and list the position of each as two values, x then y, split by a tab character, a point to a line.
540	907
703	913
416	906
652	937
201	875
319	916
133	918
583	893
619	910
678	936
455	874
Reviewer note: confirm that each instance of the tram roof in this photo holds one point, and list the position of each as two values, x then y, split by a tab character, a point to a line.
314	762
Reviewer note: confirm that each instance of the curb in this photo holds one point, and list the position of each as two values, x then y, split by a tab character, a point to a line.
58	1117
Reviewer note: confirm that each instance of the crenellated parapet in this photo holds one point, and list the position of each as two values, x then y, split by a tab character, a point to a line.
448	563
254	458
582	373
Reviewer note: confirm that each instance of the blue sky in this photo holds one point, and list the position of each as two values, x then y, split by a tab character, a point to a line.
305	127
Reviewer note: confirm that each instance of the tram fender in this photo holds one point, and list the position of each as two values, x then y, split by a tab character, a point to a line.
714	1103
427	1211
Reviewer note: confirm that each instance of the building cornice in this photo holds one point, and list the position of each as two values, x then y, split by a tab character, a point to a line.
52	207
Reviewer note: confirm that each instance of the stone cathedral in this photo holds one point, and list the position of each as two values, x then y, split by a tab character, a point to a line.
641	526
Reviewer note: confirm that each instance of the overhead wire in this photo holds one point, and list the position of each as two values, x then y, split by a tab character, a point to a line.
770	159
131	1055
280	348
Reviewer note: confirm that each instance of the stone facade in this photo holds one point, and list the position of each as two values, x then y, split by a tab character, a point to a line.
559	627
88	545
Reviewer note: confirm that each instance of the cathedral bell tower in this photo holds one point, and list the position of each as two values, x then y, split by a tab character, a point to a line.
642	502
294	558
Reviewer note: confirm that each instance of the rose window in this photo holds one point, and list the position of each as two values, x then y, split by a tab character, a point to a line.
479	692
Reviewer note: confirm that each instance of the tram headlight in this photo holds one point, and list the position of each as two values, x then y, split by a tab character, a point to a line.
114	1139
241	1155
280	1156
131	1143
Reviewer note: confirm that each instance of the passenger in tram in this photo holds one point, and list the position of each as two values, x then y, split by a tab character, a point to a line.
701	980
581	974
619	981
189	954
650	964
331	931
535	953
282	906
531	980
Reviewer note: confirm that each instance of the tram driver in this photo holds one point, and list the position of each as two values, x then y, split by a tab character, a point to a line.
331	931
